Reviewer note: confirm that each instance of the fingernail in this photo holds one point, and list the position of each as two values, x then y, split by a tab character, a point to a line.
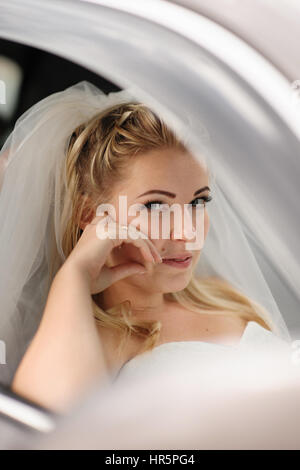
142	272
159	260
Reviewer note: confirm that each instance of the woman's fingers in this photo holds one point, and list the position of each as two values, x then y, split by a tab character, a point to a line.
116	234
130	234
153	250
132	237
145	244
126	269
111	275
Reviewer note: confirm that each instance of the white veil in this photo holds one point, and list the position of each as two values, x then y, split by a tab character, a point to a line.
30	224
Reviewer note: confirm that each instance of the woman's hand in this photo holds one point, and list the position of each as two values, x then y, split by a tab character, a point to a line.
66	355
91	252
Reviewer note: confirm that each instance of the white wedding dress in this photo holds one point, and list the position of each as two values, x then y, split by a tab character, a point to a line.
196	355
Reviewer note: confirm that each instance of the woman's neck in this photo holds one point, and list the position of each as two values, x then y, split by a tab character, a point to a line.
143	304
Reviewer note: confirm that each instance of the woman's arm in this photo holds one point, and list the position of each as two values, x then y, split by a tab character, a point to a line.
66	354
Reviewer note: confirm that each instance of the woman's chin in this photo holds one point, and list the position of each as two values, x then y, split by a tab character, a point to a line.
177	283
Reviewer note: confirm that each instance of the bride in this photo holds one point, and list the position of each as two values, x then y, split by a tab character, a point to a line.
93	292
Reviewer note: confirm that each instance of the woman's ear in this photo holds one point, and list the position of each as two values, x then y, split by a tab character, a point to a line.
86	218
88	211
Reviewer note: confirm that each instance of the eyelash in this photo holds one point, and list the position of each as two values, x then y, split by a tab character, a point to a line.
204	198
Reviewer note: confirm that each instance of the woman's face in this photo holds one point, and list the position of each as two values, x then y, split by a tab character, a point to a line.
172	177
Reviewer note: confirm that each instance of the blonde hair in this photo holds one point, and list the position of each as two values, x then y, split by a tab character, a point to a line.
98	154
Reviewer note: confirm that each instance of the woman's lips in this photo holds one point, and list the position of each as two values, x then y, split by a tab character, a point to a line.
183	263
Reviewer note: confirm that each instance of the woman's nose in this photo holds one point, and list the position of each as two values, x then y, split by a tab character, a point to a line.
182	227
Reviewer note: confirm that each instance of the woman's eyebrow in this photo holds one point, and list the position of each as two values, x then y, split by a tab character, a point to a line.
167	193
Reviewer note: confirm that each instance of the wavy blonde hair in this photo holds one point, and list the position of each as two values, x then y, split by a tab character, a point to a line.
98	155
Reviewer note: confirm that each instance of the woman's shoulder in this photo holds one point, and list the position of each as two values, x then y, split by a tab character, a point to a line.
232	326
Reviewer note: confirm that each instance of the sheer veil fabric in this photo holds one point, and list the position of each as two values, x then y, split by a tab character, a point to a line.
30	201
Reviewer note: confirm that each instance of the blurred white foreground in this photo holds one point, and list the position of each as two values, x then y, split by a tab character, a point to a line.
248	400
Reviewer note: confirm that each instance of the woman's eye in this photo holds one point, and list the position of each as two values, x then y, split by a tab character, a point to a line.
154	205
204	200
